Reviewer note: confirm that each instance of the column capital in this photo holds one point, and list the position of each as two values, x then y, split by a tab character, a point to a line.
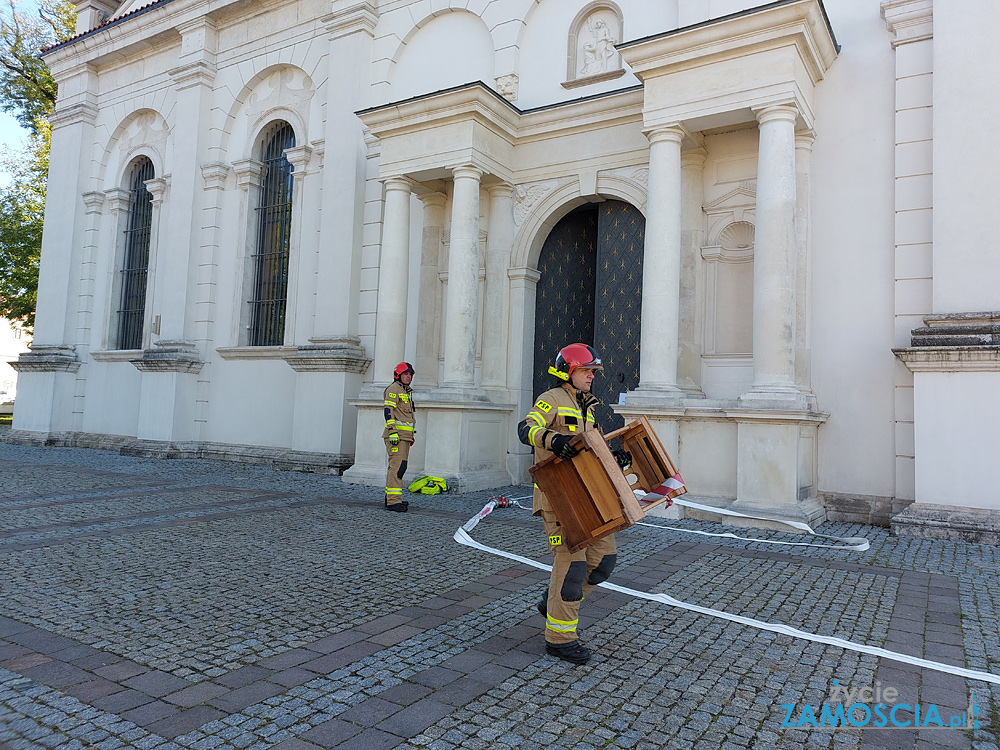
347	17
908	20
777	112
467	171
694	157
401	183
94	201
298	157
804	139
248	172
157	188
673	133
432	200
500	190
117	199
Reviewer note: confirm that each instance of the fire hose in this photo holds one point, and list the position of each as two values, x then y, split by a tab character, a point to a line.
462	536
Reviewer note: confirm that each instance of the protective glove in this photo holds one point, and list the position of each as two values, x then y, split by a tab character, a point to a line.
562	448
623	457
393	438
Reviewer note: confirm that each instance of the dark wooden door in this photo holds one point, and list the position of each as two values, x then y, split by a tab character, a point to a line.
590	290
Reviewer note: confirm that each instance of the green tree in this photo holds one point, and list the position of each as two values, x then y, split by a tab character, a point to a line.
28	92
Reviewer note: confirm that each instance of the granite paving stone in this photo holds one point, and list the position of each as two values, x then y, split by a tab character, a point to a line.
202	604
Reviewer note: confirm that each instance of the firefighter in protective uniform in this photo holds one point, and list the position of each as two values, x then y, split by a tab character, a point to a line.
399	434
557	415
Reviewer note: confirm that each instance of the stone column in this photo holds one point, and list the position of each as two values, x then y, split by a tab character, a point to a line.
463	281
691	275
499	240
803	266
394	265
774	259
429	309
662	264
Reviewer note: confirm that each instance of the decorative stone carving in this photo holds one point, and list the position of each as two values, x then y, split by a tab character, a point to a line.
526	196
592	39
507	86
146	130
47	358
288	87
335	354
170	356
737	237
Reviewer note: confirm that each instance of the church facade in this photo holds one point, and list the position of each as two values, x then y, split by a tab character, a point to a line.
771	219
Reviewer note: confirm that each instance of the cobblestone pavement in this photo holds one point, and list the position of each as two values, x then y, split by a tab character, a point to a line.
201	604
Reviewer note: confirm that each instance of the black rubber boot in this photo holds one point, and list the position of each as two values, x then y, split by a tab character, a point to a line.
398	507
574	652
543	607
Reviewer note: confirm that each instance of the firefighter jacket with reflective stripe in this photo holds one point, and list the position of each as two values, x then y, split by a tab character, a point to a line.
561	410
400	416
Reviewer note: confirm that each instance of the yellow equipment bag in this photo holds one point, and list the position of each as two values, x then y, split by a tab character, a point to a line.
429	486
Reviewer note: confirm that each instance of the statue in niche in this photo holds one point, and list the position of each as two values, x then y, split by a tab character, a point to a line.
599	52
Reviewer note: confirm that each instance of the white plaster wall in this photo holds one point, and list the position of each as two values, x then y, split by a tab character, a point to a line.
452	49
251	403
950	471
112	398
853	247
966	185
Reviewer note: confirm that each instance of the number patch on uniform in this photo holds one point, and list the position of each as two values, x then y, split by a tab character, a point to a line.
555	540
542	405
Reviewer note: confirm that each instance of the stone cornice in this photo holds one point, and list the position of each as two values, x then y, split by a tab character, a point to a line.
950	358
72	114
802	22
472	125
774	54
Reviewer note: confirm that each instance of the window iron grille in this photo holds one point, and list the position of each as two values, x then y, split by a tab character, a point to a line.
274	229
135	264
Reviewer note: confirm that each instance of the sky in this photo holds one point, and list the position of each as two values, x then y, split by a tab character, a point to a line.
13	135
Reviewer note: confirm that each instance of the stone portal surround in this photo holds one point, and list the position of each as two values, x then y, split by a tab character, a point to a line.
366	695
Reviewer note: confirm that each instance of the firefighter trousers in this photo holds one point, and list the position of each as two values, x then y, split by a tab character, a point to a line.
574	575
397	468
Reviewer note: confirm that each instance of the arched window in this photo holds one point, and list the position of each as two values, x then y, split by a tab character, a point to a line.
274	229
135	263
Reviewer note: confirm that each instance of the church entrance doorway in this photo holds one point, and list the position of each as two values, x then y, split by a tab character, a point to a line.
590	290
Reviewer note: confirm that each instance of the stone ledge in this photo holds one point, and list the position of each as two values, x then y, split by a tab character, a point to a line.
950	358
871	510
957	524
47	358
279	458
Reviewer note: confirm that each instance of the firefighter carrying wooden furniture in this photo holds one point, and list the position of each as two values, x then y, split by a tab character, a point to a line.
399	434
557	415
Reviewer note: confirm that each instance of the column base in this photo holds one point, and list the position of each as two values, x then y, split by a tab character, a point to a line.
809	511
461	436
652	395
778	397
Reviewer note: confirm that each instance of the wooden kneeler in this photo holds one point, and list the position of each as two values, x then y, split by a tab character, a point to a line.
590	495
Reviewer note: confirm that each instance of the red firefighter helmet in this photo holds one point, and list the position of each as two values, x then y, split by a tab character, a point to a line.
401	369
573	356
